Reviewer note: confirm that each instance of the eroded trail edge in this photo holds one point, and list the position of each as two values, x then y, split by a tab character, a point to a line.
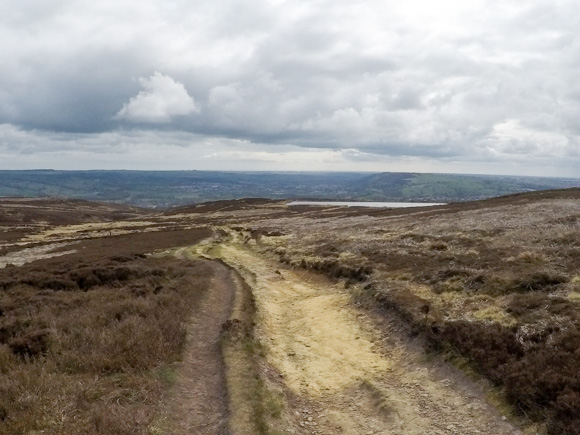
328	370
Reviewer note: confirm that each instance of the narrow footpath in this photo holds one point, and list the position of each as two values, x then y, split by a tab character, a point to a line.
198	404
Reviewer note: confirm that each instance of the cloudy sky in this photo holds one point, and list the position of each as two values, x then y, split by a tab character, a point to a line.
466	86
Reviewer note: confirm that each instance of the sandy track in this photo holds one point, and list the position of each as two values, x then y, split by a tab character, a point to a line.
345	375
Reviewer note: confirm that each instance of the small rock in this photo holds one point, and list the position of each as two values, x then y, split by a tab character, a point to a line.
503	417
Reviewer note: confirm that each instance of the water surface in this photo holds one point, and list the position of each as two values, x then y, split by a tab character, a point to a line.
367	204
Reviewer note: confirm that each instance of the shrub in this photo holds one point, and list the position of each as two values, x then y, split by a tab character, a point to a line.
31	344
547	380
521	304
90	357
438	246
543	280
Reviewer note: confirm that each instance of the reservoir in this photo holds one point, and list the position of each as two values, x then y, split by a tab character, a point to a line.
367	204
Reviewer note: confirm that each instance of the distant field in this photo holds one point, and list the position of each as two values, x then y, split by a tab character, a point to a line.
163	189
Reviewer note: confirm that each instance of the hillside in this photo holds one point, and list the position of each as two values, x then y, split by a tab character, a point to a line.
463	318
62	211
164	189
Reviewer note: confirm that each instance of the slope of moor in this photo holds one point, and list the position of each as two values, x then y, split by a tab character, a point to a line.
493	286
361	316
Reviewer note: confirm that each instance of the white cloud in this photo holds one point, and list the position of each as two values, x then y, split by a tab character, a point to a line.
166	150
512	138
416	81
161	100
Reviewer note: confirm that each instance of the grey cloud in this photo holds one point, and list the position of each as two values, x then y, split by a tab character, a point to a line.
487	79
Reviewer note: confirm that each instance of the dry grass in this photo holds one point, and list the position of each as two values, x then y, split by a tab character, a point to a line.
495	282
86	347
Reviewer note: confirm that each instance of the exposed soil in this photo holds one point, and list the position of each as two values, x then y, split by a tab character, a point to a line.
198	403
342	374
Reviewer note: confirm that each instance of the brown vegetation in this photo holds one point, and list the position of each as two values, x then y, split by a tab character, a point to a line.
496	282
87	342
62	211
493	281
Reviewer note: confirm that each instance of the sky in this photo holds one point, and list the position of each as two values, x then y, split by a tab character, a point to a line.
466	86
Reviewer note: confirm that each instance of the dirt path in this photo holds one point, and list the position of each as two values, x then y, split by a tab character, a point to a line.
199	401
341	373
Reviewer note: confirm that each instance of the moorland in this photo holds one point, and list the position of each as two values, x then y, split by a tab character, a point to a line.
461	318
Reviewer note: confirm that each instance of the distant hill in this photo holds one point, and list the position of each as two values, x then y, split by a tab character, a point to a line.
14	211
163	189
